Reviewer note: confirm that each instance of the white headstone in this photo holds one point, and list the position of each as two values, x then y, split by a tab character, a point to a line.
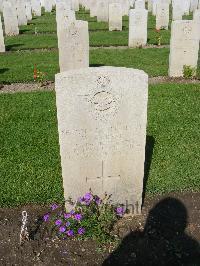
102	116
150	5
139	4
115	17
196	18
186	6
162	15
137	27
193	5
74	46
93	8
125	6
75	5
28	10
47	5
184	46
102	11
154	7
36	7
21	12
2	45
10	19
177	10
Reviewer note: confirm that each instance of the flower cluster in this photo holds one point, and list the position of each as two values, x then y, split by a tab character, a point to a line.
64	222
90	216
38	75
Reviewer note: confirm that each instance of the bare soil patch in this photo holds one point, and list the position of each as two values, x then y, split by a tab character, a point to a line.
167	233
50	85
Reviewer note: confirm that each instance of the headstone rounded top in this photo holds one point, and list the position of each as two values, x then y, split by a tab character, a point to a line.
102	69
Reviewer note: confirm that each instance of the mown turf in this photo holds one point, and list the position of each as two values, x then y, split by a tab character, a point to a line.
30	162
18	66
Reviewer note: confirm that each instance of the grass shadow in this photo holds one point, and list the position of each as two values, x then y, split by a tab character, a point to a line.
23	31
3	70
11	46
96	65
150	143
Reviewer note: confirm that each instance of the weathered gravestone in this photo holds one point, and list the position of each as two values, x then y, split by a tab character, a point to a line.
150	5
64	16
193	5
28	10
93	8
74	46
115	17
47	5
2	45
125	6
186	6
177	10
184	46
21	12
154	7
196	18
139	4
102	116
10	19
36	7
102	11
162	15
137	27
75	5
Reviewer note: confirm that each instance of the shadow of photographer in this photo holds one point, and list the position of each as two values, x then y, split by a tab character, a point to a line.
162	242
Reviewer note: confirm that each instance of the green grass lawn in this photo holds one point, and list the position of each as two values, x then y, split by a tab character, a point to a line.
30	162
18	66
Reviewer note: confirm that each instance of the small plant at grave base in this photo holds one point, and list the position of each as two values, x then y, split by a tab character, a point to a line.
158	37
90	217
189	72
39	76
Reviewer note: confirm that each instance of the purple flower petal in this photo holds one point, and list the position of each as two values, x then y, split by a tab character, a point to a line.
46	217
62	229
120	211
70	232
81	231
78	216
67	215
67	224
54	206
58	222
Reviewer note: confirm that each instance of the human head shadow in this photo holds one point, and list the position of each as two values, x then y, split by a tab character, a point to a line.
162	242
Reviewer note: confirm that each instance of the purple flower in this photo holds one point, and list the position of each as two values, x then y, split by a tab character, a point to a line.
72	212
62	229
67	215
81	231
88	196
58	222
46	217
120	211
54	206
67	223
78	216
81	199
70	232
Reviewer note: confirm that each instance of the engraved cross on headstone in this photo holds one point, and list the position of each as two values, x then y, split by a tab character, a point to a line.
102	178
